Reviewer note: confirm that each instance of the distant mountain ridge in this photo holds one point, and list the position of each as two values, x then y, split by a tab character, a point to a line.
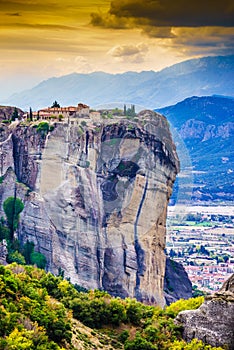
203	76
206	126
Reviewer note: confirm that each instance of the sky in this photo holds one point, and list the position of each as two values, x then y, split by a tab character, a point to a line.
41	39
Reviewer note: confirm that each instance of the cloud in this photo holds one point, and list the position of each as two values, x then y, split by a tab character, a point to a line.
14	14
66	65
177	13
128	50
131	53
179	23
37	26
108	21
158	32
27	5
209	40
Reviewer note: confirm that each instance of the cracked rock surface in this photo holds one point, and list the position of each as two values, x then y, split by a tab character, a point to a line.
95	199
213	321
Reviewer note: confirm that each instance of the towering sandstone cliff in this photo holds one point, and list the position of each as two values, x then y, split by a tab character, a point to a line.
95	199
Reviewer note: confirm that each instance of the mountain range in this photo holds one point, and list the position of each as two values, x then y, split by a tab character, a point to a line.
203	128
202	125
150	89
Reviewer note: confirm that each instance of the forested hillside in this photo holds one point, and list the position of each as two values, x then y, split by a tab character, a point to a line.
41	311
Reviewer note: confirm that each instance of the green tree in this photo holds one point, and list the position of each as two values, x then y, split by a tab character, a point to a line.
124	335
30	114
15	114
28	249
12	207
15	256
83	123
139	343
226	258
19	340
38	259
43	128
134	311
55	104
172	253
197	292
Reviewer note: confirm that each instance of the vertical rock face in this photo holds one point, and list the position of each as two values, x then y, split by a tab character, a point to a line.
177	284
213	322
96	200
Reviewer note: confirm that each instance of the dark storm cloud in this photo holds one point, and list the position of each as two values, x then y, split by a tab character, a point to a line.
169	13
179	13
109	21
210	40
182	23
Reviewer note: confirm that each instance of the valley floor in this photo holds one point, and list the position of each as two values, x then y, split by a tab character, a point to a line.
202	239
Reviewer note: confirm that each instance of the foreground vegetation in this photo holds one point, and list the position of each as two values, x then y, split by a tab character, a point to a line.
38	311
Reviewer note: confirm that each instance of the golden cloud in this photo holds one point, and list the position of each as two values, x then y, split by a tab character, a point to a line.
131	53
128	50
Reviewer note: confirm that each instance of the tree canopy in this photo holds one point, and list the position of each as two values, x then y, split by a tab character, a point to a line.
15	114
55	104
12	207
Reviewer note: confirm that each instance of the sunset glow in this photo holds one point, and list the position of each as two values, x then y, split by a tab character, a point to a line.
40	39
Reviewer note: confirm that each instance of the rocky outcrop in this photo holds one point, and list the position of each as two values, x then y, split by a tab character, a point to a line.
177	284
197	129
96	199
3	252
213	322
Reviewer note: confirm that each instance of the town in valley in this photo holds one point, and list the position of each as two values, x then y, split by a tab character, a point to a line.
201	238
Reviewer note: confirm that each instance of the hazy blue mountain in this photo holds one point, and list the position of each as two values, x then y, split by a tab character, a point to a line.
206	126
204	76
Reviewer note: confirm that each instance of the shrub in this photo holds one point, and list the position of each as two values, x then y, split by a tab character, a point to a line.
123	336
194	345
181	305
38	259
43	128
152	333
139	343
134	311
4	231
27	250
16	257
29	317
117	312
